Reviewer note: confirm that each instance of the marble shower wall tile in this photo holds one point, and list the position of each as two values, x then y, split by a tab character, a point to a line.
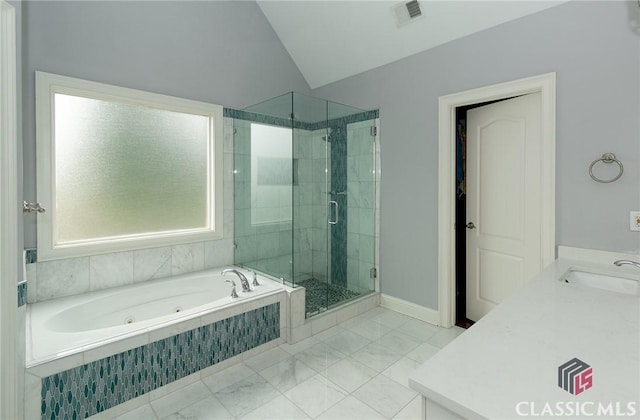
218	253
187	258
110	270
62	278
152	263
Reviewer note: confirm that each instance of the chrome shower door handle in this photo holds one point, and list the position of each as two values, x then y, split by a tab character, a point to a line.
335	213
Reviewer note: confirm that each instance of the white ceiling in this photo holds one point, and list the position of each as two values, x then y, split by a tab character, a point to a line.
331	40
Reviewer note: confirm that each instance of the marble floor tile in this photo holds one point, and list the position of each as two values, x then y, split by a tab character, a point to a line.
299	346
349	374
144	412
419	330
423	352
320	357
377	357
377	311
411	411
278	409
288	373
352	409
180	399
347	342
384	395
369	329
316	395
398	342
266	359
246	395
445	336
228	376
208	409
391	319
329	332
400	370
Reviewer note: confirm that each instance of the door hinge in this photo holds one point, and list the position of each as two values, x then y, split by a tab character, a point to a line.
373	131
373	273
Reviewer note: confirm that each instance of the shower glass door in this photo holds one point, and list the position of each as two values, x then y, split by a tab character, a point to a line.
304	183
311	257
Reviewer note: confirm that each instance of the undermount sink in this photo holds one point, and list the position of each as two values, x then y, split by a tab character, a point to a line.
614	282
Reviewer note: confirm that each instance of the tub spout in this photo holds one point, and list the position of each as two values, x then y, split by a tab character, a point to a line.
243	279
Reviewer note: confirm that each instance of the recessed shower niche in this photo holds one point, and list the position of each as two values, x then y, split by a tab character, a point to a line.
305	173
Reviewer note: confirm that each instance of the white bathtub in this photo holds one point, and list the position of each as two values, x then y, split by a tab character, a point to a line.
75	324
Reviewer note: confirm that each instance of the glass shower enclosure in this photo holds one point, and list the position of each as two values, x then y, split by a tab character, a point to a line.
305	196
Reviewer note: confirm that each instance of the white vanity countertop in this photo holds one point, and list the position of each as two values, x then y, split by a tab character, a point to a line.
512	354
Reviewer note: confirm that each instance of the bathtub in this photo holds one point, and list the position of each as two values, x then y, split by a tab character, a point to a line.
64	326
91	352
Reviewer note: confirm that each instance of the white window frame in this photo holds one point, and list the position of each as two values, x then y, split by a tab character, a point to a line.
47	85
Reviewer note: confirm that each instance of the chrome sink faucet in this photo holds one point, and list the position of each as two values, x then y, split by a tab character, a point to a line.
243	279
627	262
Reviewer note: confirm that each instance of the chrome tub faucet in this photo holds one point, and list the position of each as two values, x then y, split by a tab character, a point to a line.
243	279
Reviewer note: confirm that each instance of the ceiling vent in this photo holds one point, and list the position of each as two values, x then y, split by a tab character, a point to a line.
407	11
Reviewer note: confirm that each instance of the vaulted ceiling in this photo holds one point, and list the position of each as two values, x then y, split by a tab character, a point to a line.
331	40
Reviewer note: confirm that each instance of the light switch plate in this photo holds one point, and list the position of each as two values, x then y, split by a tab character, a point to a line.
634	220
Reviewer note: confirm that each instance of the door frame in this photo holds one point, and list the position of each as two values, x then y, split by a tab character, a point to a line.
546	85
9	253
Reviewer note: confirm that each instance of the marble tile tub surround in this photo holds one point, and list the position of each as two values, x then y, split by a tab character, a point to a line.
53	279
105	383
357	369
211	339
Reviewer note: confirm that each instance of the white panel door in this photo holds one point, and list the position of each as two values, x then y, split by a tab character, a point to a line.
504	211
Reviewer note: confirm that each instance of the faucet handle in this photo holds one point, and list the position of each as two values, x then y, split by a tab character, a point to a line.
234	294
255	279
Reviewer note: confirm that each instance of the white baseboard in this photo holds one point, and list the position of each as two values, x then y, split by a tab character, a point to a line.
410	309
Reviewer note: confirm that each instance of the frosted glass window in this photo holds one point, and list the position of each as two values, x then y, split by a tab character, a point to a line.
124	169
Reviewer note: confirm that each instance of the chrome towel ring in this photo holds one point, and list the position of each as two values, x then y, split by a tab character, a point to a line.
606	158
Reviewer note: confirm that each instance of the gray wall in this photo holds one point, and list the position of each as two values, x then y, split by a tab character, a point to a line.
594	50
212	51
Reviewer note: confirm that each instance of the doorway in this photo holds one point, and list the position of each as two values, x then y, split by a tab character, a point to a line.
448	307
461	319
498	163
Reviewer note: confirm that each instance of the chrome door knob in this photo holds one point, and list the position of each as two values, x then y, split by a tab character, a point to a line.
470	225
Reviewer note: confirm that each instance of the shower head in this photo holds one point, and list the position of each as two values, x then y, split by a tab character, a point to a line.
330	131
327	137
